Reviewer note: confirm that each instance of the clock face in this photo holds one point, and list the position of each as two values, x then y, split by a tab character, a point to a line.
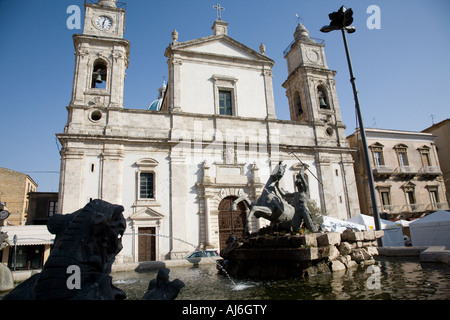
313	56
103	22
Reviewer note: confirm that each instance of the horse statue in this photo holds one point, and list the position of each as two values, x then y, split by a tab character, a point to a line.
270	205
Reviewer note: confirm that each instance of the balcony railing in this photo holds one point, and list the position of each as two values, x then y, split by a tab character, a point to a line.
406	170
417	207
382	170
430	170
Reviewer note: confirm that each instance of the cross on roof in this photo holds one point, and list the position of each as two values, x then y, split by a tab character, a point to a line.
219	11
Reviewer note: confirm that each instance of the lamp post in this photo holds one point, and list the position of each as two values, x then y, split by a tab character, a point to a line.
341	20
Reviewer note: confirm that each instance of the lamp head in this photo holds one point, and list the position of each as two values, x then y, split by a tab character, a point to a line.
342	19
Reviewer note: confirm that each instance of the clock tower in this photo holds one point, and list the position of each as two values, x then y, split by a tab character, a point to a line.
311	89
95	109
102	57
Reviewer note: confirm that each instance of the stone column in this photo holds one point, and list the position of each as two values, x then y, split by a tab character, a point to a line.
178	212
71	181
207	223
117	77
175	91
112	174
268	89
328	196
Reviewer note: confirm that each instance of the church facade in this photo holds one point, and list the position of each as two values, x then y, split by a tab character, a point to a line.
214	136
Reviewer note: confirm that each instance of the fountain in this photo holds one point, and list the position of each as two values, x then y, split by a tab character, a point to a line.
280	252
384	278
269	265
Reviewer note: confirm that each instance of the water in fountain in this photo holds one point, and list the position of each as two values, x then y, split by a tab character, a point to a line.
399	279
235	286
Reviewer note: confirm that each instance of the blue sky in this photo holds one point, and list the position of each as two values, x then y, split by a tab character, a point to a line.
401	69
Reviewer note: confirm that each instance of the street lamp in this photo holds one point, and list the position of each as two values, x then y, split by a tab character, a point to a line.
341	20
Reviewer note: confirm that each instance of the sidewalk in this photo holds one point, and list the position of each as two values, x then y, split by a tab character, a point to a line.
426	254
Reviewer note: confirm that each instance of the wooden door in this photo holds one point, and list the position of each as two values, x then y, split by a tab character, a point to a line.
231	221
146	244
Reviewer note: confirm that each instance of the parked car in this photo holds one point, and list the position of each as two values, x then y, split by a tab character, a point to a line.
202	254
407	241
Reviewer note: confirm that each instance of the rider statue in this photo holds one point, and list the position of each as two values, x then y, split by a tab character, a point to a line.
278	206
299	200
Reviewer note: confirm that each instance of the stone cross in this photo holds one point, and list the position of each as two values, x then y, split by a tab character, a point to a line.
219	11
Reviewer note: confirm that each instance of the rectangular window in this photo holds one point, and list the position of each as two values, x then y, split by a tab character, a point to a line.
410	197
225	106
426	159
402	158
378	157
434	198
52	208
146	187
385	198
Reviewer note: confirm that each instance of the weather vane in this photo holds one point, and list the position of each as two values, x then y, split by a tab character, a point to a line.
219	11
298	17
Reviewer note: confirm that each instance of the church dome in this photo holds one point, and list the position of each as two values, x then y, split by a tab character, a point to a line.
156	105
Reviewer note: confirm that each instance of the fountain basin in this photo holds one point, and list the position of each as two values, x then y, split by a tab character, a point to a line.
283	256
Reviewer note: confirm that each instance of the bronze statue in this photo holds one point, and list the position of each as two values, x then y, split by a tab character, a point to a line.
270	205
278	206
299	200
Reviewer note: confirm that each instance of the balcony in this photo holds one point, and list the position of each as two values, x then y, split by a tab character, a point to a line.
382	170
418	210
437	206
430	171
406	171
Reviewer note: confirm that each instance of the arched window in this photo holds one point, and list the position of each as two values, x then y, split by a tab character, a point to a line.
323	99
99	73
298	104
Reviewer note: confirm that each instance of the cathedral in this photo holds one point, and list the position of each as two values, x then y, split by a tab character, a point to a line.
211	137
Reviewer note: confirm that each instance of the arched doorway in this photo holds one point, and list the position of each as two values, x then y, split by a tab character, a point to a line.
231	221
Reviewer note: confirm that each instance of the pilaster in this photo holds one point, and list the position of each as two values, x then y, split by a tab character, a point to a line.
112	174
72	181
178	223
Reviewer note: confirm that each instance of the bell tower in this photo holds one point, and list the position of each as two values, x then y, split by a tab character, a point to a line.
101	57
310	88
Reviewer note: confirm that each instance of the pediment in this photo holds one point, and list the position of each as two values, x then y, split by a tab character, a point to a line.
221	46
376	145
424	148
147	214
408	185
147	163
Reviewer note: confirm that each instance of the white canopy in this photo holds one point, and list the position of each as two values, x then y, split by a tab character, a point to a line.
369	222
431	230
29	235
393	234
403	223
337	225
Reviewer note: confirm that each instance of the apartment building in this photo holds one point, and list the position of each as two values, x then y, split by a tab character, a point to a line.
409	182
